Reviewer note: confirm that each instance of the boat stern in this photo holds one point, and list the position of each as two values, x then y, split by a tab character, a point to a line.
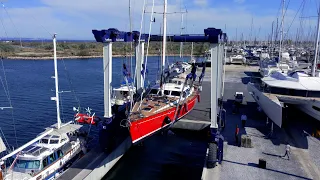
269	103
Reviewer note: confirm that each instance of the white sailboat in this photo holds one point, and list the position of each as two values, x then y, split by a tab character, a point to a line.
123	95
51	152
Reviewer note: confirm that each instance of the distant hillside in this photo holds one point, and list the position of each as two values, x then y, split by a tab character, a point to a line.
42	40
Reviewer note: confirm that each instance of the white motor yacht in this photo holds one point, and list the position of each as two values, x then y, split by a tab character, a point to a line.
266	66
122	95
239	58
179	67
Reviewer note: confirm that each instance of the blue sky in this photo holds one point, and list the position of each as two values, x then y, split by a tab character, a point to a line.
74	19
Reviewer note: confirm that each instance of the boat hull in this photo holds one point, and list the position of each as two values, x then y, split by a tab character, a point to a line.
270	104
111	133
145	127
311	110
308	105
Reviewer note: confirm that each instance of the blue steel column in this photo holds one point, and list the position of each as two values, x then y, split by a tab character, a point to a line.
107	70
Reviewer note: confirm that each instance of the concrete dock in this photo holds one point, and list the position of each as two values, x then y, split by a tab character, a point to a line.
96	163
242	163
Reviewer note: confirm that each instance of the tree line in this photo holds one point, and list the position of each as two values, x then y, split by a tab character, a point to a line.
93	48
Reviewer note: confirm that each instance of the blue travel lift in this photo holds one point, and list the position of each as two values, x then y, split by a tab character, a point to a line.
217	40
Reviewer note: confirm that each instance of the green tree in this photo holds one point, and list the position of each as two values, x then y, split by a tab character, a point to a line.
92	46
63	46
48	47
83	52
82	46
6	48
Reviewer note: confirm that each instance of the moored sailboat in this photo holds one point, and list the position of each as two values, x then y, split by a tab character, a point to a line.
51	152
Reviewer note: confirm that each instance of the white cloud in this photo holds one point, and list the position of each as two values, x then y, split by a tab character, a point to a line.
31	22
74	19
200	2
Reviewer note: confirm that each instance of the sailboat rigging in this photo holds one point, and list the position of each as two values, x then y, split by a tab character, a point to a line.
52	151
167	101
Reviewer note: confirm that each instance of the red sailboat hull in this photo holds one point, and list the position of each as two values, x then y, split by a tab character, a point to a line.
142	128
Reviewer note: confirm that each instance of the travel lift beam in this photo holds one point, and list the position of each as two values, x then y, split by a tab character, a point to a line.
217	40
107	37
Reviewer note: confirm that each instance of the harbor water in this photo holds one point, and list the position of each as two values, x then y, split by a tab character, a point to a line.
30	87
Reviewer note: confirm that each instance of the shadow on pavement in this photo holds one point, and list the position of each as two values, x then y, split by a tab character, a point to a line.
252	73
255	120
269	154
298	126
256	166
253	64
295	131
245	80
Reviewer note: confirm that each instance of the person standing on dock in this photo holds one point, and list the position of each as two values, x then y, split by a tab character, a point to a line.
237	135
243	120
193	71
287	151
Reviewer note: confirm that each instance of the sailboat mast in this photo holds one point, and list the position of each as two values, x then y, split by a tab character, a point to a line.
236	36
181	43
164	43
272	36
56	79
131	43
276	33
251	31
316	46
281	32
191	49
192	43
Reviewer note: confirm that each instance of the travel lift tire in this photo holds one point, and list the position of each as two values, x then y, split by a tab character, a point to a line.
212	155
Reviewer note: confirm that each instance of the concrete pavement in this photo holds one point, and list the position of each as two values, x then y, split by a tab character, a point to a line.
241	163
